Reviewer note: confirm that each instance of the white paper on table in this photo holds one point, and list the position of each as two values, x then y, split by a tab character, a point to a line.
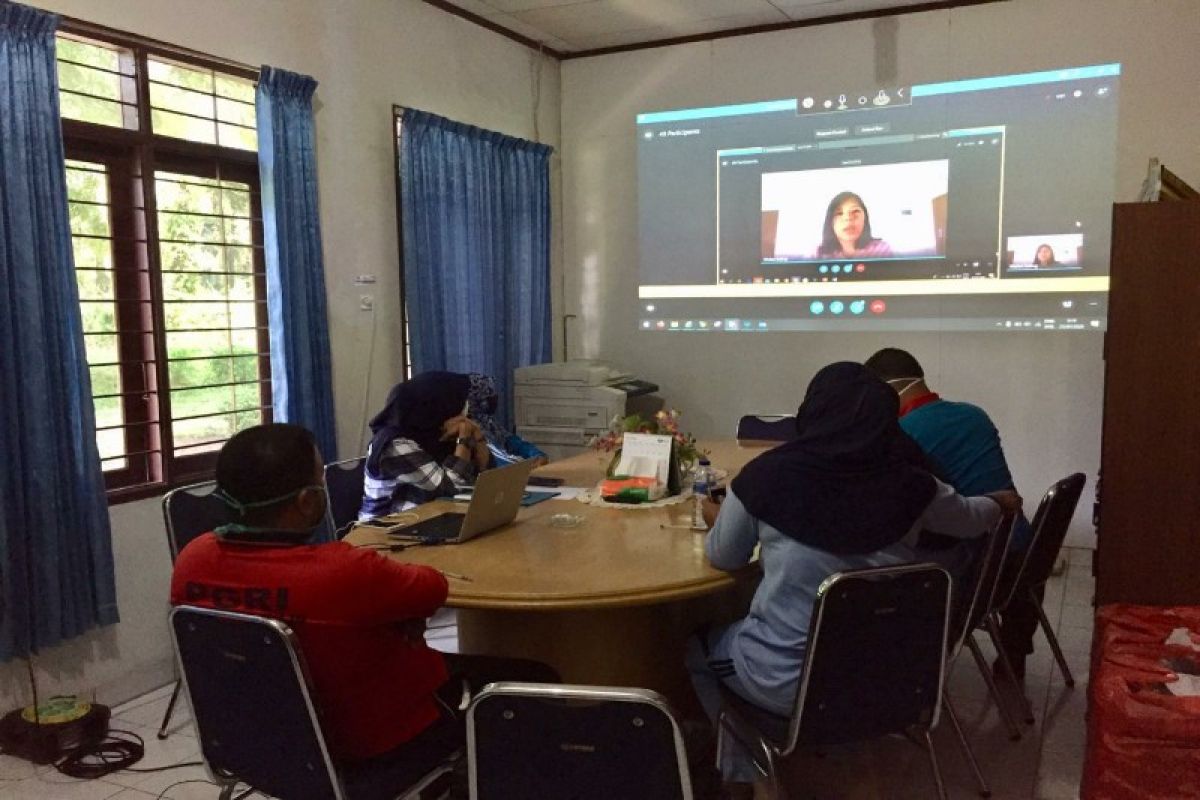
1182	637
559	492
645	455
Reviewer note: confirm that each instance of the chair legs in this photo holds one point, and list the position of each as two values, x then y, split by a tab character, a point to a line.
933	763
965	746
1053	640
166	720
1014	731
993	631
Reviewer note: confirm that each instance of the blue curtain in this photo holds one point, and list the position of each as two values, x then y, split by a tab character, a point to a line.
476	224
56	564
301	373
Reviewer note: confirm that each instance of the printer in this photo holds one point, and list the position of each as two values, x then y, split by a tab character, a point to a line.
561	407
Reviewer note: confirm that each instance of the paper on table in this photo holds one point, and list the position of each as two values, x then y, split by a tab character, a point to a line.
1182	637
645	455
560	492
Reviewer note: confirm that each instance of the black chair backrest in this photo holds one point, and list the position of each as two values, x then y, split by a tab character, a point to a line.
767	427
344	482
876	655
986	575
251	703
190	511
540	741
1050	523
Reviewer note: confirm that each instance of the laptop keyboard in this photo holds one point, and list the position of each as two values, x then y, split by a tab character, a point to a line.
437	529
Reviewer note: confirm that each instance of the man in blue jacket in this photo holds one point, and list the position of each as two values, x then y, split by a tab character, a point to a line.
963	446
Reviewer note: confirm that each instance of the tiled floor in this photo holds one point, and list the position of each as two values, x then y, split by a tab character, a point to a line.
1045	765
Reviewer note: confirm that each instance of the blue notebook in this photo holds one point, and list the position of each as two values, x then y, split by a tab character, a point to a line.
531	498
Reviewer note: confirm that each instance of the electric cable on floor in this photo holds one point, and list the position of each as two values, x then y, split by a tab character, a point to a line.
118	751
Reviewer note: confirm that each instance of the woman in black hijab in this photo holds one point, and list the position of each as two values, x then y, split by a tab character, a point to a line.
844	495
423	446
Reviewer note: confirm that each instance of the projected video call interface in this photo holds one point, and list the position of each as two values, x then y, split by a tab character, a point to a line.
960	205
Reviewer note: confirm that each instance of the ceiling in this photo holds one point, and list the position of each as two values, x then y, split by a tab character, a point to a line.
572	26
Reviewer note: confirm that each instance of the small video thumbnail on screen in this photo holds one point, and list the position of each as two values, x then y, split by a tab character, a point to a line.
873	211
1051	252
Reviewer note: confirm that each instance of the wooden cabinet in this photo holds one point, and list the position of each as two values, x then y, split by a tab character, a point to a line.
1149	533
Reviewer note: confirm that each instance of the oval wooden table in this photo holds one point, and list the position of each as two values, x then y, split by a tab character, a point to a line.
610	602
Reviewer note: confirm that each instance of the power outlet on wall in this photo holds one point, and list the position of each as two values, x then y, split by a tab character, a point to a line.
366	302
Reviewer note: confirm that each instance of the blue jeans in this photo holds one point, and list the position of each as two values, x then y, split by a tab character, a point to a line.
710	665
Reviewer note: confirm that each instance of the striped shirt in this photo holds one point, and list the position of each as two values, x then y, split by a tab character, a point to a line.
408	476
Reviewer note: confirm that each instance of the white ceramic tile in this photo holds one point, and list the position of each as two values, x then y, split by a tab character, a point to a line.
151	714
524	5
1080	617
1059	775
58	787
157	782
1079	555
160	693
15	769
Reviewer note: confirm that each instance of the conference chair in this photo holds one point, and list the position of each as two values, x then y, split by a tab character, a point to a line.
344	482
255	718
533	741
965	618
766	427
189	512
979	614
875	666
1050	523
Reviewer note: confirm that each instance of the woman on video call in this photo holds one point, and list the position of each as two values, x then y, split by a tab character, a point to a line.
847	231
1044	259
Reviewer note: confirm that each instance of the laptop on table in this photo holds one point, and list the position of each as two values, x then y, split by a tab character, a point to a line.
494	503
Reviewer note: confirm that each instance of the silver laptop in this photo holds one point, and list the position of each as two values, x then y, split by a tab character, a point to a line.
494	503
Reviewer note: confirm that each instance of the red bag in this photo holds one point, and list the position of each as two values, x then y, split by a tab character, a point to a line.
1143	741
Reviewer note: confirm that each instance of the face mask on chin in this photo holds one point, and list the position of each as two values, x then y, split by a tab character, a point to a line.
240	508
911	383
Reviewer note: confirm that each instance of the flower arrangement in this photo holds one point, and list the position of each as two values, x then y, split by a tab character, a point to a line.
664	423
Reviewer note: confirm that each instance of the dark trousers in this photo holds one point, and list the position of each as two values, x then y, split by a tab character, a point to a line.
388	774
1019	621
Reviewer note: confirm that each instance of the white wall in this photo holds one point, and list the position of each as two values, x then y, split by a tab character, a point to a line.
1044	390
367	55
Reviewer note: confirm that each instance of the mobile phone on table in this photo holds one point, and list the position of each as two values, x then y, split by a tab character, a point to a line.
544	480
717	494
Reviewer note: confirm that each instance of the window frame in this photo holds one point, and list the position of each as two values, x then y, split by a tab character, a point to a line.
133	157
405	333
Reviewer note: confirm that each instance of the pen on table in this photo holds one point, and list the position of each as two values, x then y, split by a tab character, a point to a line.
456	576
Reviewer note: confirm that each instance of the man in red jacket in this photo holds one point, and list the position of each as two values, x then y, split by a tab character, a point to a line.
359	616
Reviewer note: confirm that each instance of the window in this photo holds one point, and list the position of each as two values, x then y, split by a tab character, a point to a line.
166	222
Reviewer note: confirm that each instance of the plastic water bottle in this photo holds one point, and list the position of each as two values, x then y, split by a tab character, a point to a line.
701	484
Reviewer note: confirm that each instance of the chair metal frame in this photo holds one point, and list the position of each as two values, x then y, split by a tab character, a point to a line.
737	431
769	752
599	694
981	617
345	465
173	546
991	566
284	634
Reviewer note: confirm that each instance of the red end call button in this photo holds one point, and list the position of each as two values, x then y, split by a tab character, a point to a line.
878	306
